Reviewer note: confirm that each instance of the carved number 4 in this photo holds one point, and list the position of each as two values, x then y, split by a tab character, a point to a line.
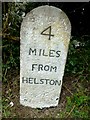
43	32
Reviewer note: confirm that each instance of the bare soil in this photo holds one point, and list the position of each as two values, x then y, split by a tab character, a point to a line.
10	91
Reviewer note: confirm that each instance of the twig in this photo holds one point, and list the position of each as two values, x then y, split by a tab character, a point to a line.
34	113
85	36
5	73
3	46
7	36
5	25
80	7
70	111
67	89
13	38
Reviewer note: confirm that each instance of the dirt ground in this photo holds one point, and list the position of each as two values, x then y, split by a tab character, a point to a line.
10	91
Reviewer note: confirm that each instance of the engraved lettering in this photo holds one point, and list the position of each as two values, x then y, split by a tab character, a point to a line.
32	51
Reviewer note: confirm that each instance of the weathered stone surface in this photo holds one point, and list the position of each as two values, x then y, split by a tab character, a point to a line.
45	35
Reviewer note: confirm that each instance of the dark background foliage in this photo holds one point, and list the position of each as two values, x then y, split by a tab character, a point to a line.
13	14
77	68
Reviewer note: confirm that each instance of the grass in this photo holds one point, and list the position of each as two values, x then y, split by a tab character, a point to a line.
78	65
